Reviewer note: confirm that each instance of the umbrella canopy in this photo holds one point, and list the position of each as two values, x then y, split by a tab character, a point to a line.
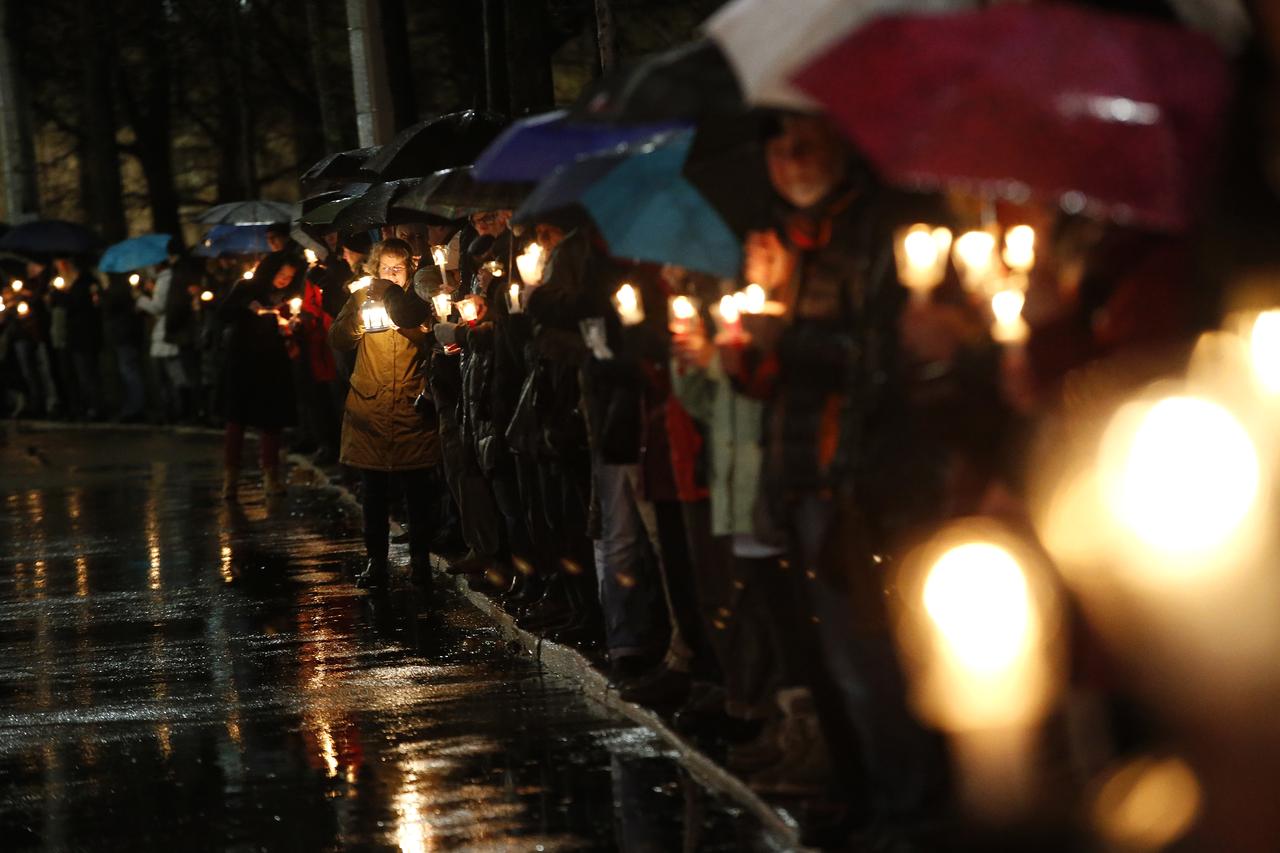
347	191
454	193
531	148
1111	116
455	139
766	41
233	240
376	207
247	213
727	166
644	207
688	83
50	237
340	166
135	254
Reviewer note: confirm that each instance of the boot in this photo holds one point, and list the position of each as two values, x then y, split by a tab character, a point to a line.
374	576
420	573
805	767
272	485
230	484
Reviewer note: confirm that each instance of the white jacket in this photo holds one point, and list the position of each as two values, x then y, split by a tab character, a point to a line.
154	305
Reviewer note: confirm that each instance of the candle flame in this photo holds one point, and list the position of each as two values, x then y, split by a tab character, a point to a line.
1007	306
976	596
975	257
1020	248
248	274
1264	350
295	305
440	255
682	308
135	279
729	309
206	296
17	285
753	300
529	264
311	256
627	300
23	308
59	282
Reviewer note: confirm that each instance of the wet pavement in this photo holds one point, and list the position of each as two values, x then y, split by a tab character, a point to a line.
179	673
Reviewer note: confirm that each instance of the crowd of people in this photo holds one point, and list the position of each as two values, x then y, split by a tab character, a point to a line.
707	482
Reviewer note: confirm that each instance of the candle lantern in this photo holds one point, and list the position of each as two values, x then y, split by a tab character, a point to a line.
530	263
1020	249
468	310
1009	327
443	306
374	316
513	299
730	316
627	303
495	268
921	253
682	314
975	256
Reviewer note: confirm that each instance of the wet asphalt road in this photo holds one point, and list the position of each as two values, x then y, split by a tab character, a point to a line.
178	673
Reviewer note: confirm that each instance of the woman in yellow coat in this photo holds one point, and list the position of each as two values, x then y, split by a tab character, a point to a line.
382	434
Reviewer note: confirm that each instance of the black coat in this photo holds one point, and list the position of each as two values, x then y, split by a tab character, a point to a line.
256	381
84	321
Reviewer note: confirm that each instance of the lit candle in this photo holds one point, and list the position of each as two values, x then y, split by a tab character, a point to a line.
311	256
59	283
984	654
975	258
529	264
468	310
1009	327
206	296
730	316
682	313
23	308
295	305
440	255
248	274
360	283
513	299
443	306
2	307
373	314
1020	248
627	303
921	254
495	268
17	285
135	279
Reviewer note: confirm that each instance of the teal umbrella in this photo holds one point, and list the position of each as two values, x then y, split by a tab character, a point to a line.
646	209
136	253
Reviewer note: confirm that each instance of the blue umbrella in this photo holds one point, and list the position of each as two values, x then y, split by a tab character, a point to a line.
233	240
135	254
645	208
50	237
532	148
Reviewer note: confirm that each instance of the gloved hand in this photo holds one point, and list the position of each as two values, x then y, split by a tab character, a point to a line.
446	333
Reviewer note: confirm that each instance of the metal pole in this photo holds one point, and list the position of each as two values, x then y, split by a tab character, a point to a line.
374	120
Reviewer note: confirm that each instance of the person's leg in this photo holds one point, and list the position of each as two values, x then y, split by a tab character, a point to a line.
419	492
89	381
630	593
375	499
129	363
232	456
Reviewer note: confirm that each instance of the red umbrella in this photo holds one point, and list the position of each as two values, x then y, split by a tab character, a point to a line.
1113	116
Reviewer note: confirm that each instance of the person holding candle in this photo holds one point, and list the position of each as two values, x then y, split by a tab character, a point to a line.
383	436
257	381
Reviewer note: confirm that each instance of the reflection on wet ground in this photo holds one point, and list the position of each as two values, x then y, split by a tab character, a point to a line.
179	673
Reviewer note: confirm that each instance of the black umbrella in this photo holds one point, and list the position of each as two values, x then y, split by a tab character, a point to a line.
455	139
454	193
247	213
726	164
50	237
377	207
691	82
313	202
338	167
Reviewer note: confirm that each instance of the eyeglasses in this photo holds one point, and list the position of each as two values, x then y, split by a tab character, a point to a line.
392	270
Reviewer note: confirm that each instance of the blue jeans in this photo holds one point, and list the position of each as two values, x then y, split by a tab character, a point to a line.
631	592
